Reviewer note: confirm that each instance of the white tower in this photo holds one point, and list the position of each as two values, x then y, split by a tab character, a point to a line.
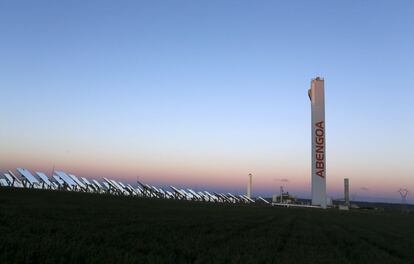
346	191
317	96
249	186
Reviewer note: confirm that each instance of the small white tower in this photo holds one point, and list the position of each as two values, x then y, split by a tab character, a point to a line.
346	191
249	186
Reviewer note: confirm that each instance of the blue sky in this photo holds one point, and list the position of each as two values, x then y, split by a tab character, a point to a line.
204	92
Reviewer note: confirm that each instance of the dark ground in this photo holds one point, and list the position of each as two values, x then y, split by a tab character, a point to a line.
58	227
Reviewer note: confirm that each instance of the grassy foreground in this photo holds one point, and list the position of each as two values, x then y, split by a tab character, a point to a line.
58	227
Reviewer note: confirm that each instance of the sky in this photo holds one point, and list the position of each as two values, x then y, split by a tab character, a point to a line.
201	93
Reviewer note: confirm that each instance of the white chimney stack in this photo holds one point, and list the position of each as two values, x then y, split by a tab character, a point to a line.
249	186
346	191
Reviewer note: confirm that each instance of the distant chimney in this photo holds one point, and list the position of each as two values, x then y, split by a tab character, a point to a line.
346	191
249	186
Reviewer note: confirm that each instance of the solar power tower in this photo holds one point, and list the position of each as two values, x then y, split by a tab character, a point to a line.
346	191
249	186
317	97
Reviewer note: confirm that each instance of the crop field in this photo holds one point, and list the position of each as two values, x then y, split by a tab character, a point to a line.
61	227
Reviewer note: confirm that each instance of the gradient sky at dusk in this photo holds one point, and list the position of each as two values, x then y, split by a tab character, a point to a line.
201	93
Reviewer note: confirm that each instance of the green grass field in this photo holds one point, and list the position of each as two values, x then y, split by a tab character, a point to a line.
59	227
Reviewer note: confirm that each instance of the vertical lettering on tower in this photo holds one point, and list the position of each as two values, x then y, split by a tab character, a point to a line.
319	131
